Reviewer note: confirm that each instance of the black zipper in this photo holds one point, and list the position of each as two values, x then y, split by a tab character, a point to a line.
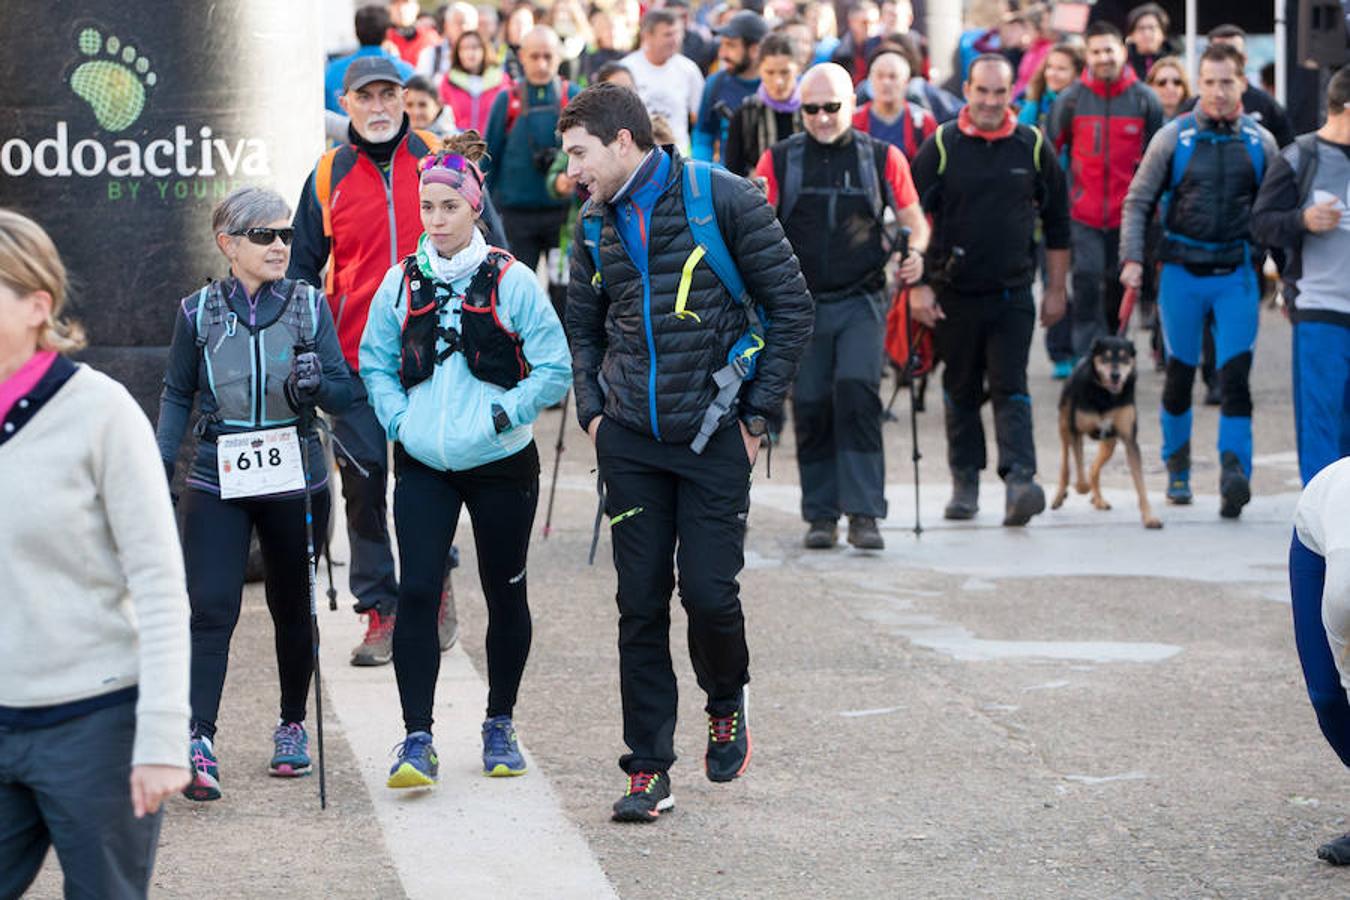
1106	160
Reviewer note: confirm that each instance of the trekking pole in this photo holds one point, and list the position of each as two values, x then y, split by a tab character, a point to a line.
332	589
911	367
557	461
1127	309
307	425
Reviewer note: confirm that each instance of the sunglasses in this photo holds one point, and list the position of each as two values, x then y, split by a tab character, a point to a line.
264	237
452	161
812	109
1168	82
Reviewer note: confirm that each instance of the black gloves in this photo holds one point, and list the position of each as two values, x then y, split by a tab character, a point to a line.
302	385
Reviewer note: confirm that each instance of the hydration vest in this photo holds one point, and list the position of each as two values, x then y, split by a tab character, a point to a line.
492	353
247	365
1189	135
710	248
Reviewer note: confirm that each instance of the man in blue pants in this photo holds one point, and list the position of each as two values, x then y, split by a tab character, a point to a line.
1206	168
1304	207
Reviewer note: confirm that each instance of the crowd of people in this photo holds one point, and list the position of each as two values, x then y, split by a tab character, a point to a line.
686	217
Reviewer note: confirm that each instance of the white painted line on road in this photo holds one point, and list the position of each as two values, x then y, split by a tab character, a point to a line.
1106	779
470	835
881	711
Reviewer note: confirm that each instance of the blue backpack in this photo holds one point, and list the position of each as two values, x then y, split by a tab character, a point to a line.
711	248
1188	135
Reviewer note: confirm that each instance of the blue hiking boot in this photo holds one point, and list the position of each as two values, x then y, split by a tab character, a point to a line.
290	756
205	783
501	751
417	764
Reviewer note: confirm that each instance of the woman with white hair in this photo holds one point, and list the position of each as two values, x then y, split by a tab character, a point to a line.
258	352
93	616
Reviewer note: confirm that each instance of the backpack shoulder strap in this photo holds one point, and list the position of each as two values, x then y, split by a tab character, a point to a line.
939	139
1185	148
867	174
791	182
703	224
592	225
1250	134
1306	167
204	296
323	187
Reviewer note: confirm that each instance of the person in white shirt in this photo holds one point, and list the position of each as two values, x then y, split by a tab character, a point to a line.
669	83
93	603
1319	585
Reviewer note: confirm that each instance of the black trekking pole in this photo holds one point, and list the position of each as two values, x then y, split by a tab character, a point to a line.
557	461
307	426
911	369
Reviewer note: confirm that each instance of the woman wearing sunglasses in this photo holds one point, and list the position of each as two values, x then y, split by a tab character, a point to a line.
258	352
460	353
1168	80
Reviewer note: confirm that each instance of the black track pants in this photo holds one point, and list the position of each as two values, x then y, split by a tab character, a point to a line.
501	497
215	547
671	509
985	339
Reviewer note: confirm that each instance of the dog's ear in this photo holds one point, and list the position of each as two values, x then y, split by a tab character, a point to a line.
1098	345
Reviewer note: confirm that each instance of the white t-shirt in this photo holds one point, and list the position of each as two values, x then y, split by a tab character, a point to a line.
1322	518
673	90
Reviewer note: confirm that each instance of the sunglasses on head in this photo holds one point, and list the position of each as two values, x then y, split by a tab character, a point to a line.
452	161
812	109
265	236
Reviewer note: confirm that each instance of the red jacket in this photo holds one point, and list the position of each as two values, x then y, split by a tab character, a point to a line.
409	48
371	226
1106	127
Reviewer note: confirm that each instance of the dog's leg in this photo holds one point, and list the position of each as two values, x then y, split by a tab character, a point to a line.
1081	483
1137	473
1065	437
1108	446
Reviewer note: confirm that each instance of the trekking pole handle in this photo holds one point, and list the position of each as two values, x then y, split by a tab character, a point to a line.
903	248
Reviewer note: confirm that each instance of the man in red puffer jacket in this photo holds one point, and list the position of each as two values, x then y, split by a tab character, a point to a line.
1105	121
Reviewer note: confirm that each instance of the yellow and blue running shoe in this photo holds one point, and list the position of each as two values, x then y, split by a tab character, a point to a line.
501	751
417	764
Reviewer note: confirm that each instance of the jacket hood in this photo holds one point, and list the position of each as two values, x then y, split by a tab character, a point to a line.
1110	88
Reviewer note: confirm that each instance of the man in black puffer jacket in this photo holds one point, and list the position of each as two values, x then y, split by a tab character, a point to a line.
648	334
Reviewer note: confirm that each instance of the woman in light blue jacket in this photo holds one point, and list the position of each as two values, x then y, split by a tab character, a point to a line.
460	353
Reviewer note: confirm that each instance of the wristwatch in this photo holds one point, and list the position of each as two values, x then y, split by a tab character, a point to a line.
757	425
500	420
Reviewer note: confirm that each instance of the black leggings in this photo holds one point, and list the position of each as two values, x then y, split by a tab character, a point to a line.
501	497
215	546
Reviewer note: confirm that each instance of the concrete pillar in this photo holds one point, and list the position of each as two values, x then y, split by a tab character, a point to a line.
943	24
125	123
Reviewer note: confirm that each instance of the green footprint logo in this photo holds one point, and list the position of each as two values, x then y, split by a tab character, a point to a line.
114	83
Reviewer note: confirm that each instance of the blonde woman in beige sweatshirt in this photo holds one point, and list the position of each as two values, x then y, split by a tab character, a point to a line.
93	607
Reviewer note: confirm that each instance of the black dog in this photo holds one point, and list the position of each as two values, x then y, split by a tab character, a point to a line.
1098	400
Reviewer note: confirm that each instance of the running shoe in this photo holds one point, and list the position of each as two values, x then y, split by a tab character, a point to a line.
1179	488
417	763
501	751
377	647
205	783
728	754
290	757
648	796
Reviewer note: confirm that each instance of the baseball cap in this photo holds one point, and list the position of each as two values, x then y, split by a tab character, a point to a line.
746	26
368	69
